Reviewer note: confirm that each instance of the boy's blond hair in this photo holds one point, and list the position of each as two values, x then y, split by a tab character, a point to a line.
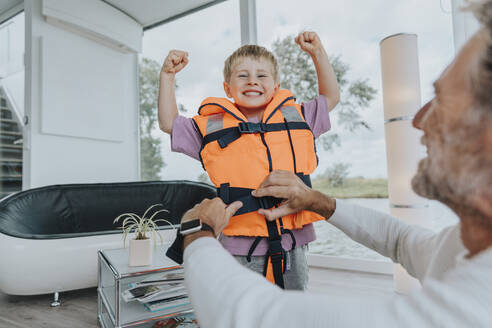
252	51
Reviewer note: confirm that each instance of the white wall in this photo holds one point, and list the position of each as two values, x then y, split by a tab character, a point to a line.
81	94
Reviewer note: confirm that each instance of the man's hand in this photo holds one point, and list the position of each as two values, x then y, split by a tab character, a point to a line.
286	185
310	43
297	196
175	61
213	212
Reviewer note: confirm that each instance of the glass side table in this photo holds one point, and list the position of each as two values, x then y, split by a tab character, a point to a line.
115	276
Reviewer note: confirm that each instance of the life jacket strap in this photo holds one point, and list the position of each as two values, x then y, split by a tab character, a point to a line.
276	253
251	204
253	247
225	136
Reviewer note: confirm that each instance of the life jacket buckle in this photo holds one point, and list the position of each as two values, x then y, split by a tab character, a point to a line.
248	127
267	202
275	249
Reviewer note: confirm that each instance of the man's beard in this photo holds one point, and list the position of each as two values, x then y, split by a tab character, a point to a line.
422	183
429	185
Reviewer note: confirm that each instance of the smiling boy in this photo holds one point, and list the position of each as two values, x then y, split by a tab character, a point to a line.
239	143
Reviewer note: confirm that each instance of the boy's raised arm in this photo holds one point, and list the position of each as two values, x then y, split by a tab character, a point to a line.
327	81
175	61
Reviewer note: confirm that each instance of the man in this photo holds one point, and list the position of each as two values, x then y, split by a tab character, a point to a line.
454	266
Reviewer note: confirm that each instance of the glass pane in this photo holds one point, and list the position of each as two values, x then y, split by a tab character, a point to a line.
208	45
351	31
11	104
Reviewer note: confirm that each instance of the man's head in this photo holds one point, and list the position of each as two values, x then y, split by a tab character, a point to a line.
457	125
251	77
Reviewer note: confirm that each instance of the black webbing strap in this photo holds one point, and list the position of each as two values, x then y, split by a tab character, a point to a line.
251	204
275	253
253	247
225	136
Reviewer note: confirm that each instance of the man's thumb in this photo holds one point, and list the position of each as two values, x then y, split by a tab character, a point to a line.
232	208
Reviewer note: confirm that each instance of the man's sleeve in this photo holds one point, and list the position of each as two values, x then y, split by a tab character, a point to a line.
225	294
317	115
185	138
410	245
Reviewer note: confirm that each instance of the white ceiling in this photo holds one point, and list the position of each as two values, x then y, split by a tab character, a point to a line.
146	12
7	7
153	12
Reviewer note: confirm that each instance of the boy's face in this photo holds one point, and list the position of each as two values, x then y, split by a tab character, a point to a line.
252	84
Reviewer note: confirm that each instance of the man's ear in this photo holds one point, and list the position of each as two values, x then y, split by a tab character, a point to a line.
277	87
227	90
483	203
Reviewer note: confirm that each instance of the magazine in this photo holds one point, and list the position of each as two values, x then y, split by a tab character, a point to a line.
181	321
164	294
169	303
168	277
147	293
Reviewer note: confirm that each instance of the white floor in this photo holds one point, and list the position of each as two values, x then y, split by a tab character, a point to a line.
343	282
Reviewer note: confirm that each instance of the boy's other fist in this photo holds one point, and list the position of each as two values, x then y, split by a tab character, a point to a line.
175	61
309	42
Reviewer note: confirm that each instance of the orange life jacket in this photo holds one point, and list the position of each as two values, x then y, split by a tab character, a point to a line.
238	155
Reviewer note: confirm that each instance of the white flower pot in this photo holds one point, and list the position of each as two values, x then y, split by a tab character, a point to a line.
140	252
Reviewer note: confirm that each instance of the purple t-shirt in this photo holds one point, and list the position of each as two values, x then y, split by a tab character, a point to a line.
187	140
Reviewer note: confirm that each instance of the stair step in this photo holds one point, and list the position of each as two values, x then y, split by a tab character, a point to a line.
5	113
7	120
10	179
11	160
10	146
11	176
9	133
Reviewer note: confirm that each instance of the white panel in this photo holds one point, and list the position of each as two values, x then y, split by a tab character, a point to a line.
83	88
98	20
85	95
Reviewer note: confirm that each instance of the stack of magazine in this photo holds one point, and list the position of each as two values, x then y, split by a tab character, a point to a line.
165	293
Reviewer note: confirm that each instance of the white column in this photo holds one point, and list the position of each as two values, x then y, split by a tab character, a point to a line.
401	98
464	24
247	12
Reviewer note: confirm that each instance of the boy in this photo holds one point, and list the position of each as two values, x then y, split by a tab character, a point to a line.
240	143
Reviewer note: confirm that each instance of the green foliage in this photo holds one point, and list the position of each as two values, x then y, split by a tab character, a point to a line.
151	161
353	188
298	74
141	225
336	174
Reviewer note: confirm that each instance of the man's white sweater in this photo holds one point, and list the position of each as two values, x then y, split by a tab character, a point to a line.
456	292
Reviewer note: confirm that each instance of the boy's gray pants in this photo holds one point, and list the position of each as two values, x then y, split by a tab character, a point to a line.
296	272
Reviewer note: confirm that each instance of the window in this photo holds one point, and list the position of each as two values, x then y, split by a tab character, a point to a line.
352	30
11	104
209	36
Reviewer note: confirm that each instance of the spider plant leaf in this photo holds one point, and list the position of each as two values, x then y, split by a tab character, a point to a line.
149	208
120	216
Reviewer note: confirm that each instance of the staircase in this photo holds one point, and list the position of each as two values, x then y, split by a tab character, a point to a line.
10	149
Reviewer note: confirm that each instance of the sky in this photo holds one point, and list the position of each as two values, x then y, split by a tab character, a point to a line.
349	28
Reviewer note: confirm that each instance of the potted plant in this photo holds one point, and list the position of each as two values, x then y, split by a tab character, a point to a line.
143	227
